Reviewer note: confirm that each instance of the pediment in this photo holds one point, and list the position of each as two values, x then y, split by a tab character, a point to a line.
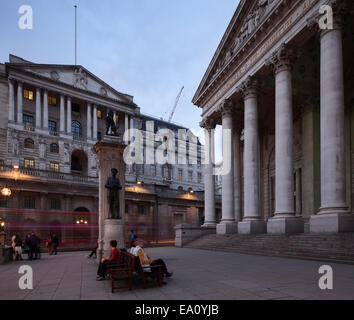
249	15
76	76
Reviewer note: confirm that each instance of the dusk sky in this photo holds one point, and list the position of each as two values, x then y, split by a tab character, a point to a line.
146	48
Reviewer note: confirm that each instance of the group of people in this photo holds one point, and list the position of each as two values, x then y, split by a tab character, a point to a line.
137	249
31	246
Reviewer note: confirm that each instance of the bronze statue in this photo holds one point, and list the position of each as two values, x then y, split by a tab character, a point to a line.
113	185
110	124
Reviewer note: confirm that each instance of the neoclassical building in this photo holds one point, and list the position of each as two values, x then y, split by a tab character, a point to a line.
51	117
282	83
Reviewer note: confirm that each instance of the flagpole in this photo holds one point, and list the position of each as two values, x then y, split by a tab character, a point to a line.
75	34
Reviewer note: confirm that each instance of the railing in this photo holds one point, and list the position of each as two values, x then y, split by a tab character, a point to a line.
60	177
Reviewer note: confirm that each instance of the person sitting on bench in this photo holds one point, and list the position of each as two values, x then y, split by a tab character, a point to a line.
146	261
113	259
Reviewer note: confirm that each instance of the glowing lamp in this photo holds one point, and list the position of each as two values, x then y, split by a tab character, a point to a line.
6	192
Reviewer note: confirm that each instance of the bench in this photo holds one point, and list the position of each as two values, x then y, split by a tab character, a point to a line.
129	265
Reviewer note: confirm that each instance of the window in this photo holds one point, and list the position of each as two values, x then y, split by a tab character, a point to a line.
54	148
117	118
52	101
200	178
167	172
143	209
75	107
99	114
199	163
28	94
190	176
54	166
153	170
2	163
29	163
180	174
28	122
3	203
55	204
99	136
29	203
52	126
29	143
76	129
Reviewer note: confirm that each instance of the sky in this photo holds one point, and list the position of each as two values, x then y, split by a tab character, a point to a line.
146	48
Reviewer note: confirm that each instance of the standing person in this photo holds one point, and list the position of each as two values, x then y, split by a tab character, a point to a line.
93	252
18	248
55	244
26	248
132	237
49	244
146	261
38	247
13	245
114	258
32	243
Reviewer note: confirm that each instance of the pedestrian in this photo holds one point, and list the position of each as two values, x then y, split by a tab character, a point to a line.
38	246
55	244
93	252
133	236
18	248
49	244
32	243
26	248
13	245
114	258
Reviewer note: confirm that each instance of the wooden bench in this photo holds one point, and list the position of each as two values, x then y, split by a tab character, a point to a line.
130	265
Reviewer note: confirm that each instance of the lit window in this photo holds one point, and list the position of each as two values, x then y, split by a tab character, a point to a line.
29	163
180	174
29	144
52	101
99	114
54	166
200	177
28	94
117	119
153	170
190	176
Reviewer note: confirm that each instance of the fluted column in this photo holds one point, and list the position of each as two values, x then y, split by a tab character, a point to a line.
227	224
45	109
209	178
88	123
19	102
38	109
284	220
333	215
62	113
237	174
68	116
94	134
11	101
252	221
126	124
131	126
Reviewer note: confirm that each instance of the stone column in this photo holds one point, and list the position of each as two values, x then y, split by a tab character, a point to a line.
252	221
38	109
126	125
237	174
62	114
94	134
131	126
19	102
45	109
68	116
11	101
284	220
88	123
227	224
333	215
209	178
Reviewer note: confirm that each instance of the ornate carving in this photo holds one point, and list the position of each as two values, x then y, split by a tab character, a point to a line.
225	108
80	78
248	88
54	75
282	58
103	91
208	123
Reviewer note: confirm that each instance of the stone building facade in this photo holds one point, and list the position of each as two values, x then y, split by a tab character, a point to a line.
281	83
51	117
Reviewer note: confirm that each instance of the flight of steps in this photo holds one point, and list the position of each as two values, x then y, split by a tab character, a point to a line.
323	247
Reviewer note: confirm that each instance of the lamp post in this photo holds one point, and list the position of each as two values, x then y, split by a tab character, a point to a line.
6	193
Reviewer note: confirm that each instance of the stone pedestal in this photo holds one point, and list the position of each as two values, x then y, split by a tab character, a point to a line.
226	228
110	155
252	227
282	225
332	223
186	233
113	230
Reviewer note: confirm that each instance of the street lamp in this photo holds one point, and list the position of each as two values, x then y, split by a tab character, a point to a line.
6	192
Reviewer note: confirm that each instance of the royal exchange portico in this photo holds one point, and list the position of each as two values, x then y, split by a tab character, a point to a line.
282	85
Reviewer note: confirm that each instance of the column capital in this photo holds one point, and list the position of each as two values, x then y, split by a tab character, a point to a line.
249	88
208	124
282	59
225	108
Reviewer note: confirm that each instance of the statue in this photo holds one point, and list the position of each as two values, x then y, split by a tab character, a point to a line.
113	185
110	124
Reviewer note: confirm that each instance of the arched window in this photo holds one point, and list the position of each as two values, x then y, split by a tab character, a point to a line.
54	148
76	129
29	143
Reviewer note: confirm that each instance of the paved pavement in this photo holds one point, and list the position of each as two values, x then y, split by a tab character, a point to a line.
198	275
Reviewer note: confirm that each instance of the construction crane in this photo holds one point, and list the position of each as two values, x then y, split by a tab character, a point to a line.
175	106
